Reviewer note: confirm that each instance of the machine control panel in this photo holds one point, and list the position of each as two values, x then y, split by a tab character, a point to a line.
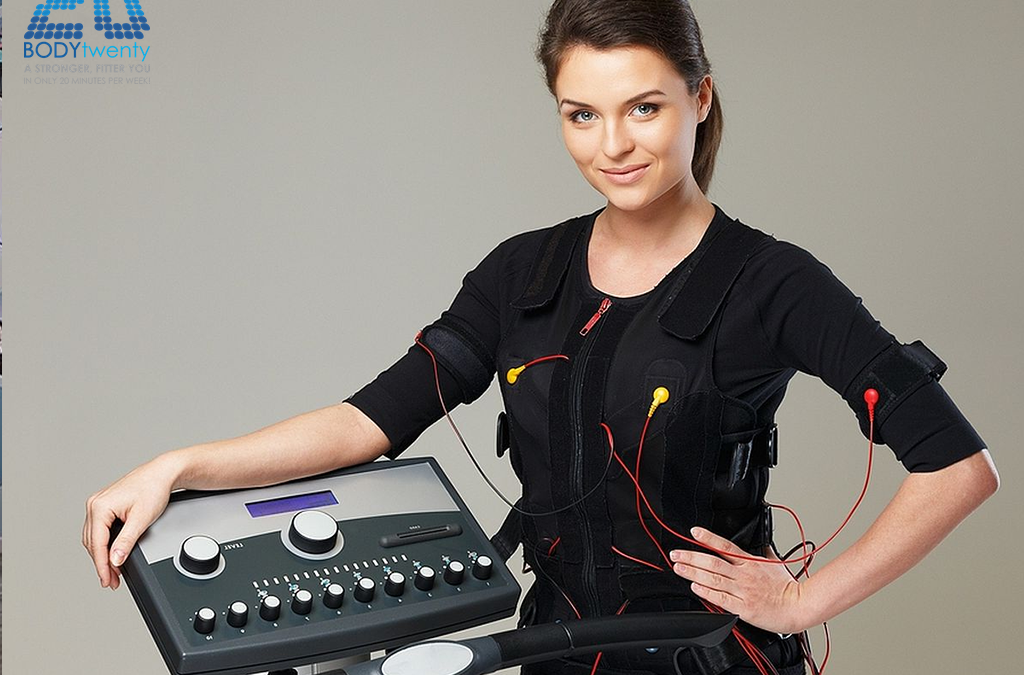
349	562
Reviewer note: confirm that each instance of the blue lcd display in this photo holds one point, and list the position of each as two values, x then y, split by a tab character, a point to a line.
270	507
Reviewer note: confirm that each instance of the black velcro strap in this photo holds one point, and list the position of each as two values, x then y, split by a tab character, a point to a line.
714	266
506	540
551	263
462	354
895	374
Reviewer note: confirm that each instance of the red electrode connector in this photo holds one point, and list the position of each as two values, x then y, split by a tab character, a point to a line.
871	398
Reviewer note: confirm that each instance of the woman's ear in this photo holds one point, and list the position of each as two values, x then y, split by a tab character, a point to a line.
704	95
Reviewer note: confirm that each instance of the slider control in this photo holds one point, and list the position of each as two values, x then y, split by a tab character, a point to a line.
418	534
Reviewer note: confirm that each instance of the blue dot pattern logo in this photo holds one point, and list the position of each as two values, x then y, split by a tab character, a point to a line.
41	28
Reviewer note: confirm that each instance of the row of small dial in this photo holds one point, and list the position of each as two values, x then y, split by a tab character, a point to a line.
334	594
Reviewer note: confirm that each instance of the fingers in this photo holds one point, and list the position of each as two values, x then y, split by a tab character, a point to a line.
716	542
704	577
95	538
705	562
124	543
726	601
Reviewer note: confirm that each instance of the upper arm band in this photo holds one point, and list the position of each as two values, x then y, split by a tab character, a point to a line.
462	354
895	373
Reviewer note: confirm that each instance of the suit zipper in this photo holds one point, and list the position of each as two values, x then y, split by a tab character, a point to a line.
605	304
580	362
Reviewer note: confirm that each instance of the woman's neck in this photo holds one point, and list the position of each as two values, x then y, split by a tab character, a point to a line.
675	220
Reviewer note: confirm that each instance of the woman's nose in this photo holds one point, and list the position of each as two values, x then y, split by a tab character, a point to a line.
617	139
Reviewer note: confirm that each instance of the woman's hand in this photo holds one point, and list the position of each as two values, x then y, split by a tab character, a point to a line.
137	499
763	594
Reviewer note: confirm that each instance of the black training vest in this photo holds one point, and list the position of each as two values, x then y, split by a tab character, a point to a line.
705	456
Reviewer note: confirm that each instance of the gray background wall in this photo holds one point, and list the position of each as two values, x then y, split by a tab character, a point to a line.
301	186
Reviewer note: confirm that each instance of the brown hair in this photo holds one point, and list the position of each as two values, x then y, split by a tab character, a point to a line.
666	26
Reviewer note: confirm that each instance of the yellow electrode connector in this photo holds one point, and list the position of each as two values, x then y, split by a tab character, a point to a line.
660	396
513	374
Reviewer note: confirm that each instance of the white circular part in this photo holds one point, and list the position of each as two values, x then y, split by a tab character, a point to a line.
484	560
239	607
336	589
396	577
206	614
304	595
456	566
315	525
436	658
366	583
427	572
272	601
201	547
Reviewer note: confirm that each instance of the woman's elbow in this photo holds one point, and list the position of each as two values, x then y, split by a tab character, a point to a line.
981	475
992	481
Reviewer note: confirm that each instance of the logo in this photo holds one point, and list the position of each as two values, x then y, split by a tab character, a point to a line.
53	21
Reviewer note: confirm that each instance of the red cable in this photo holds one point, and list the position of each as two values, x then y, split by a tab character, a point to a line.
639	513
597	659
738	556
545	358
638	560
828	648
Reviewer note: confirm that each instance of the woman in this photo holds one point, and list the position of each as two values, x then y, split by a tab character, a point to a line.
642	352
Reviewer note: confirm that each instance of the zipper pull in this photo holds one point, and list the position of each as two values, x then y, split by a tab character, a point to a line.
605	304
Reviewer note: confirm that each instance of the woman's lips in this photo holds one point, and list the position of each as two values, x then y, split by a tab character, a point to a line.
620	177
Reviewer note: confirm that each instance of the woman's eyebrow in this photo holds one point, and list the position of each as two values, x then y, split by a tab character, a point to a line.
634	99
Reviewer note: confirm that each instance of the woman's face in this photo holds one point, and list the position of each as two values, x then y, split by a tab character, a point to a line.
629	122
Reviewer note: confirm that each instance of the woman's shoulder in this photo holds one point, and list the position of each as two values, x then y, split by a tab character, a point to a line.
520	251
778	270
775	258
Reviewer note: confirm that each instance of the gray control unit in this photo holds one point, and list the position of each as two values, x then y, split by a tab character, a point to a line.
345	563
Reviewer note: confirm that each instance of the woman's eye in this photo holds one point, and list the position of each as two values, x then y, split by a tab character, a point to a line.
578	116
646	109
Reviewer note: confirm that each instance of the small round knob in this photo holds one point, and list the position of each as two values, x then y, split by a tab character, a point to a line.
395	584
270	608
483	567
205	620
302	602
334	595
365	589
200	554
313	531
425	578
455	573
238	614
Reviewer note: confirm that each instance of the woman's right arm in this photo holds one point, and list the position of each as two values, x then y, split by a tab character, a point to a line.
305	445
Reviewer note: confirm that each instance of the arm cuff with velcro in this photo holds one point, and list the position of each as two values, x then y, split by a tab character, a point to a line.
898	371
459	350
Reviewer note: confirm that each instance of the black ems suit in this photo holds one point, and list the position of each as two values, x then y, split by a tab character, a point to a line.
723	332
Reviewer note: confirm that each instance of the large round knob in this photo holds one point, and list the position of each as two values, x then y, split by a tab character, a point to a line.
334	595
365	589
302	602
425	578
455	573
270	608
482	567
313	531
395	584
205	620
238	614
200	554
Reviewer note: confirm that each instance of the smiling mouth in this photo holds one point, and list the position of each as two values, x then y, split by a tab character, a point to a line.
626	175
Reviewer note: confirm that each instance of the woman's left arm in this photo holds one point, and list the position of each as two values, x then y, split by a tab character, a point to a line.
926	508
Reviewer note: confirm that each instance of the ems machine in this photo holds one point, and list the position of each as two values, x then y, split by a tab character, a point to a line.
368	558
